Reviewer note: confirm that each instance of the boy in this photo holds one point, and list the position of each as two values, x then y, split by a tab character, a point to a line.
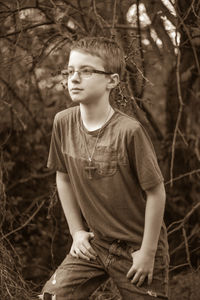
110	186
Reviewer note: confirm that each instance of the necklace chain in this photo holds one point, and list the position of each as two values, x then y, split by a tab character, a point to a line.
90	156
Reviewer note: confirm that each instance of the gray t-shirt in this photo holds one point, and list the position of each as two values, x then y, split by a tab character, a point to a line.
124	166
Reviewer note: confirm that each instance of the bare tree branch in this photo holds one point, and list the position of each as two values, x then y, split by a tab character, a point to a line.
28	220
182	176
24	126
141	52
27	179
82	16
181	222
17	10
191	42
186	247
26	29
26	108
157	23
178	117
166	12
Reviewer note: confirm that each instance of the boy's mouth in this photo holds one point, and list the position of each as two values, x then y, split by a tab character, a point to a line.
76	89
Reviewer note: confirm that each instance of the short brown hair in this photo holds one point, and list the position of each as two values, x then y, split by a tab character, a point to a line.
107	49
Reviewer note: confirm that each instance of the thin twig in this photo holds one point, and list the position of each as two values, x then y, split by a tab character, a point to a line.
23	103
101	21
2	191
26	222
182	244
178	117
114	14
186	247
183	138
171	269
26	179
182	221
17	10
194	12
191	43
98	17
141	51
188	11
182	176
24	126
26	29
142	73
82	16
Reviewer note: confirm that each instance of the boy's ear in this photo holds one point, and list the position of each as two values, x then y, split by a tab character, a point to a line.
113	81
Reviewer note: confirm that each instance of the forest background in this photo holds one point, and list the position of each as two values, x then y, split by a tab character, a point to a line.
161	42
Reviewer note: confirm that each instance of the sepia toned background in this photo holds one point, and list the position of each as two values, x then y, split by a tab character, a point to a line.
161	87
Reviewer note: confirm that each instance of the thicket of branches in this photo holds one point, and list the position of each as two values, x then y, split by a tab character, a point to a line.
161	42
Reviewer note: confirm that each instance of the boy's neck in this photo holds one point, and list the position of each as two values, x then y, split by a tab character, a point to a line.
95	116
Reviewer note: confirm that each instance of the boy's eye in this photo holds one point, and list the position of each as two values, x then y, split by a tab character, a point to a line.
66	73
86	71
70	72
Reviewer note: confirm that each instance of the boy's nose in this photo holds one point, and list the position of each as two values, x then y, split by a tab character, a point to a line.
76	76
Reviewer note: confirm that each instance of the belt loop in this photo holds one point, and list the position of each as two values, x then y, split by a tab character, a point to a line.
47	296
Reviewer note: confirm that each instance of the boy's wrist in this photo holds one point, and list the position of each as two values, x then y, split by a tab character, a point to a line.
151	251
77	230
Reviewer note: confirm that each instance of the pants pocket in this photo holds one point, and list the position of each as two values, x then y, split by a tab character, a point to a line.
159	285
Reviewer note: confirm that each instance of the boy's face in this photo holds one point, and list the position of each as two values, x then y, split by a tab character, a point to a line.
83	89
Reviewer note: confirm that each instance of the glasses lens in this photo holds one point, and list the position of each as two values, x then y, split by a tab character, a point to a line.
86	72
83	73
65	73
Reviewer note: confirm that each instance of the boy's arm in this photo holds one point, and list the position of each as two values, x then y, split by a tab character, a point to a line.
80	246
143	259
154	212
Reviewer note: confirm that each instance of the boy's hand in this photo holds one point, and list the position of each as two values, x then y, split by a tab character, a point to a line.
81	247
142	267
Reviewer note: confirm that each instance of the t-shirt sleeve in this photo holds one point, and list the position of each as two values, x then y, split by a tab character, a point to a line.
144	160
56	160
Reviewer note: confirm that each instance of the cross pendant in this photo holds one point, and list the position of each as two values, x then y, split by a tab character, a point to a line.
90	169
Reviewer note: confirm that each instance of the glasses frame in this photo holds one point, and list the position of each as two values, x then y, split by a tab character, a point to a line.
93	71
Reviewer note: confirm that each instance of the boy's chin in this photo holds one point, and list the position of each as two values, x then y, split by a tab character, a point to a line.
77	99
80	100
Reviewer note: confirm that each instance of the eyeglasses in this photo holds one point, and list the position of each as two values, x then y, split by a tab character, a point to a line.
83	73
